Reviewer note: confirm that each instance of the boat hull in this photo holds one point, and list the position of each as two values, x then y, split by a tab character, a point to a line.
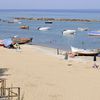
48	22
67	32
94	33
43	28
22	40
24	27
84	52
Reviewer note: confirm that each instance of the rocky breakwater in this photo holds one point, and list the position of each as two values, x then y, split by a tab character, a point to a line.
58	19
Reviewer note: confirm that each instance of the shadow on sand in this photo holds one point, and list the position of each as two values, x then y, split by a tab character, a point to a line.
2	71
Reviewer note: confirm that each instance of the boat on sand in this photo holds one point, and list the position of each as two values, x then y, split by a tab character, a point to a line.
85	52
1	43
11	41
21	40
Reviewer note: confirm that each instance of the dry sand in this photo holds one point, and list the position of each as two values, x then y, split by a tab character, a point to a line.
43	75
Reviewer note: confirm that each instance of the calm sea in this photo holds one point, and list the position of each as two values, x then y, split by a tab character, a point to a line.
53	37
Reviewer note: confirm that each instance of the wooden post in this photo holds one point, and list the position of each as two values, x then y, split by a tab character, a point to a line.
18	93
8	93
3	85
11	90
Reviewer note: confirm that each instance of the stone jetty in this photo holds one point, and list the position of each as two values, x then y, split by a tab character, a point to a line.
58	19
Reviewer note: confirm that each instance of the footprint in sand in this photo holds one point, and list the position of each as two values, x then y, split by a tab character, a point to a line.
55	97
69	64
50	84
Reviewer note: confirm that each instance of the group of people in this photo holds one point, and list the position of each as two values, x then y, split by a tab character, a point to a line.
8	43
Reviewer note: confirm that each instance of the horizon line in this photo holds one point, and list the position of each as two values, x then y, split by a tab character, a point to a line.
47	9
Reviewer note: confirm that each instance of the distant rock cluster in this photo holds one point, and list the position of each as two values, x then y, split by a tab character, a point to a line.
58	19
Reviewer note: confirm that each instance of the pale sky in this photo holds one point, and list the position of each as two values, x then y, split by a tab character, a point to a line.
49	4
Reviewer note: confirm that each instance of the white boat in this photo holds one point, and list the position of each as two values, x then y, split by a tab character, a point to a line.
98	31
17	21
82	29
67	32
94	33
14	21
43	28
86	52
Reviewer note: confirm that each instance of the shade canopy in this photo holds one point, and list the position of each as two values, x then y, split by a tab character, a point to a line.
7	42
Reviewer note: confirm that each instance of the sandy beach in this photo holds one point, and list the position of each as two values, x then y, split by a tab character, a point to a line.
43	75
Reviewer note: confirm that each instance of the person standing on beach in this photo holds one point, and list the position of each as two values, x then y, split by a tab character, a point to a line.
66	56
57	51
94	59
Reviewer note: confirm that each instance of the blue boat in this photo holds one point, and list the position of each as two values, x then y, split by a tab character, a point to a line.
94	33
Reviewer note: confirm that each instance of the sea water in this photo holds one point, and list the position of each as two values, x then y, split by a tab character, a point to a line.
53	37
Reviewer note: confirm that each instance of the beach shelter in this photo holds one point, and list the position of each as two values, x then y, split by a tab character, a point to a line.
7	42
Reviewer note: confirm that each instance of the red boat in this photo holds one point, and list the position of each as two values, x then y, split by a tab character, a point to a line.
24	27
1	43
